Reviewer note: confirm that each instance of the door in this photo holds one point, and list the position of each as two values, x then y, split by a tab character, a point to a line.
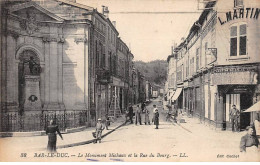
246	102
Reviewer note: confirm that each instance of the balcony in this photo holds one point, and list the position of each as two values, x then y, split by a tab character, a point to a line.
103	76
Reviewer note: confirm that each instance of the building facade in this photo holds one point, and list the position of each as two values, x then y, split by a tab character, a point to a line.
218	63
60	57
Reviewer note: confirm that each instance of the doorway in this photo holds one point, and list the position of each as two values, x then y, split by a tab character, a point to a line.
246	101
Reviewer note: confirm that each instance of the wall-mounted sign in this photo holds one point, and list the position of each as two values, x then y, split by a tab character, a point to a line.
235	69
240	13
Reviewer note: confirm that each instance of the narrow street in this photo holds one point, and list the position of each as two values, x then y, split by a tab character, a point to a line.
171	142
179	142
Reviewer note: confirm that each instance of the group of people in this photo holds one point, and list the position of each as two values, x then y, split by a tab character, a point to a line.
138	115
249	142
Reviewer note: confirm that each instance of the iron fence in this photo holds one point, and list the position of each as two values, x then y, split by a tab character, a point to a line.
39	122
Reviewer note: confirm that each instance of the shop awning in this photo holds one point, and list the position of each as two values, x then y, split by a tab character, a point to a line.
253	108
171	94
177	94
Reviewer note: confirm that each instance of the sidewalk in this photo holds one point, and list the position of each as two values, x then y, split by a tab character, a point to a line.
39	143
225	139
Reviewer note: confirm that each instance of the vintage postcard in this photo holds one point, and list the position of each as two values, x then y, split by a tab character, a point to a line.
130	81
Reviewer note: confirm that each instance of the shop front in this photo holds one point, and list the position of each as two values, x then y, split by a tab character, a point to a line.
236	85
177	99
197	97
242	97
191	100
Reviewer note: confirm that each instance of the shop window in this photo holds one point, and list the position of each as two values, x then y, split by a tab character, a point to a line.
238	40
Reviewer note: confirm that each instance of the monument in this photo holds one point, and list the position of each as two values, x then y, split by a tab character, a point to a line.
31	88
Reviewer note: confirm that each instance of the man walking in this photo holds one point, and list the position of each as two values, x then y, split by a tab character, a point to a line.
234	116
138	115
52	137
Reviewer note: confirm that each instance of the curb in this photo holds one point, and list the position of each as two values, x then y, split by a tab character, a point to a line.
83	142
39	133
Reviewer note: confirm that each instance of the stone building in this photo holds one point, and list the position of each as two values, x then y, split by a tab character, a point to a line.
57	56
45	50
218	64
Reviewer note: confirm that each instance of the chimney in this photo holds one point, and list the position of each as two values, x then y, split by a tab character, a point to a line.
105	11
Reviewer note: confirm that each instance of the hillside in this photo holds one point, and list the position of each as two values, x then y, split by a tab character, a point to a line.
154	71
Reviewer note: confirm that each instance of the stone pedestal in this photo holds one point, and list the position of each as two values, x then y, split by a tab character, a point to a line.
32	94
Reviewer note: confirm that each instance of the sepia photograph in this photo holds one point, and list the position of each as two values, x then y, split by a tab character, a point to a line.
129	81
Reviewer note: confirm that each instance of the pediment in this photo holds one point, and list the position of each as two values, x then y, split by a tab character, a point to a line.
31	10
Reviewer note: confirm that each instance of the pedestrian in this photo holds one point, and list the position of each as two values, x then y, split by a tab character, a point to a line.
143	107
52	137
234	116
130	113
156	118
99	129
138	115
147	120
249	142
107	121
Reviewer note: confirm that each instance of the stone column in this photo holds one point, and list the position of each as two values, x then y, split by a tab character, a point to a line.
3	66
46	71
80	73
53	75
60	69
12	104
53	64
87	69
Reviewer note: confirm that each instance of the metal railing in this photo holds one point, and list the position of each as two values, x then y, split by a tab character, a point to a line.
39	122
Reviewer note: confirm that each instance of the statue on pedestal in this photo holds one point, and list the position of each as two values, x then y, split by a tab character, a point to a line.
35	68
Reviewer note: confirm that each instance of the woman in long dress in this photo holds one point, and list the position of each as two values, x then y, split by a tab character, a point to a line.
147	120
156	118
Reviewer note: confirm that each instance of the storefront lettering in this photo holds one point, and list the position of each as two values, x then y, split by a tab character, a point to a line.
240	13
235	69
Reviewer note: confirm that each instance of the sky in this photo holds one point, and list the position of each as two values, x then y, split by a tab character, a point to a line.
150	27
